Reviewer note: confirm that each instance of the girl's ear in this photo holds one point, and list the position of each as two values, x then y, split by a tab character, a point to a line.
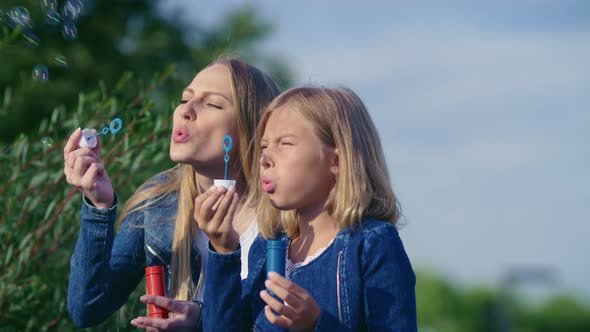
335	163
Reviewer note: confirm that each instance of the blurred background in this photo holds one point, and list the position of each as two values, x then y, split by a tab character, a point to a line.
482	108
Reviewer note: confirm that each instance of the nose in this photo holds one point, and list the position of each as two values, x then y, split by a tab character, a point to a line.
187	112
266	159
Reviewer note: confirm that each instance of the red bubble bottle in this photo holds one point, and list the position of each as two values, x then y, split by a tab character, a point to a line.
154	280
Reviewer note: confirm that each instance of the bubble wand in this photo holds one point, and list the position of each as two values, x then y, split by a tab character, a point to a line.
88	138
227	146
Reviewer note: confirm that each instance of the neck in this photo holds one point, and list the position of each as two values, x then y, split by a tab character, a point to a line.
316	223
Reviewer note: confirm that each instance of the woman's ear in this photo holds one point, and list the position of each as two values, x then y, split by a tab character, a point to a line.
335	163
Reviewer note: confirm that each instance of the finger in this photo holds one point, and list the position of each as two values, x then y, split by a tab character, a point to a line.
199	202
89	178
207	205
232	209
82	152
284	294
287	285
163	302
276	305
277	320
81	165
225	202
151	323
71	143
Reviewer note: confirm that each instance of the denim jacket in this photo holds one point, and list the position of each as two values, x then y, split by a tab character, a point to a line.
363	281
106	268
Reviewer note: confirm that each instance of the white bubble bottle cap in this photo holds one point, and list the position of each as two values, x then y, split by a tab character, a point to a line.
88	139
224	183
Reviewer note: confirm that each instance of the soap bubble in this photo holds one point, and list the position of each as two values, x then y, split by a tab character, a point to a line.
31	39
40	73
72	9
52	17
60	61
69	31
47	142
48	5
18	17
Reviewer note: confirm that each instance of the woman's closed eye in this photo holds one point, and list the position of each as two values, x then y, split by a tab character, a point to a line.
213	105
184	101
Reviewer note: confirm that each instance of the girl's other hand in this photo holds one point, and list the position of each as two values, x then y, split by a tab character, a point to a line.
183	315
85	172
300	312
214	213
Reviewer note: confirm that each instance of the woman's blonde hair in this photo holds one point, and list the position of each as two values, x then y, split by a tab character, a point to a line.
362	188
252	91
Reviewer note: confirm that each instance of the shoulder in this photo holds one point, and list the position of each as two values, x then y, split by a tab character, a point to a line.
379	237
374	229
159	179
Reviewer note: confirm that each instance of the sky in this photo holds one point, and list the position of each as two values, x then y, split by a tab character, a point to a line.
483	112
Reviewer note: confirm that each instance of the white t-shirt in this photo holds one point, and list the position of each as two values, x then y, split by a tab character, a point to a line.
246	240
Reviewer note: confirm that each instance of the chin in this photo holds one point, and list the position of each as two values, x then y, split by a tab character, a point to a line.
280	205
178	157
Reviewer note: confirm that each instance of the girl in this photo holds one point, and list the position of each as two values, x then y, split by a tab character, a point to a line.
157	222
326	192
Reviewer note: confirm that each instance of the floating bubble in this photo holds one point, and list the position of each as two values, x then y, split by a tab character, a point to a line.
47	142
40	73
31	39
72	9
48	5
18	17
60	61
69	31
52	17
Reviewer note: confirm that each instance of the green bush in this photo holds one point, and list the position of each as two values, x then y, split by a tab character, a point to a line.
40	212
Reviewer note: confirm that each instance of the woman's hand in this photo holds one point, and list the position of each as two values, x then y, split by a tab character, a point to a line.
183	315
214	213
300	312
85	172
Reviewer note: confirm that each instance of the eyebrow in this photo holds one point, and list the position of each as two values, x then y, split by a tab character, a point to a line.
279	138
208	93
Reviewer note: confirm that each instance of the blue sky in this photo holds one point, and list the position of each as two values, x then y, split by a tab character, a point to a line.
483	110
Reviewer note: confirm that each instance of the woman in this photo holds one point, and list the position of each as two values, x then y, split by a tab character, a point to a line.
157	222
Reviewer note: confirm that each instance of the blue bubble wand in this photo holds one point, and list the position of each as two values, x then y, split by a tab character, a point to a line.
227	145
115	127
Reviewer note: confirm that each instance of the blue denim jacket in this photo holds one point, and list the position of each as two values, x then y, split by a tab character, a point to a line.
362	282
106	268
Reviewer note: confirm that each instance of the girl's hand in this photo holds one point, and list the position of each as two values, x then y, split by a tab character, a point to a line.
84	172
214	213
183	315
300	312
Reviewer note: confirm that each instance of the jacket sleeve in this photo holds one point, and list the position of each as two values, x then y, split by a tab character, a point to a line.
388	282
105	268
223	308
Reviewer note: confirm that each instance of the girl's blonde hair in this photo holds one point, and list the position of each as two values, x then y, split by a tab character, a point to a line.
362	188
252	91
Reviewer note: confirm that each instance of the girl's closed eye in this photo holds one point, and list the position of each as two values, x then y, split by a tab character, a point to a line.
184	101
